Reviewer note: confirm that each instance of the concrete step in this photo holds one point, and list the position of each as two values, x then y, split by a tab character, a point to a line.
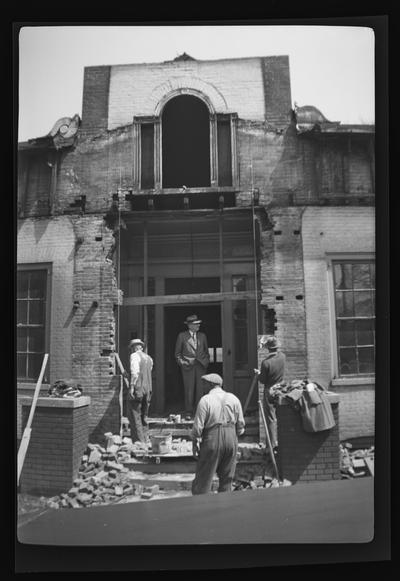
182	481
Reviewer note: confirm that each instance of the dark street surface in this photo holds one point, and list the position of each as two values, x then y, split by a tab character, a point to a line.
323	512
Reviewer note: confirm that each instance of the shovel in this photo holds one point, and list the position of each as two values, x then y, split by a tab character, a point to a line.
26	436
269	440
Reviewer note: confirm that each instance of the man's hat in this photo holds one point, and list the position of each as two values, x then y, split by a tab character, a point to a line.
213	378
136	342
192	319
270	342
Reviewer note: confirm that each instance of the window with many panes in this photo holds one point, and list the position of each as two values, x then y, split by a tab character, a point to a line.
32	302
354	289
240	324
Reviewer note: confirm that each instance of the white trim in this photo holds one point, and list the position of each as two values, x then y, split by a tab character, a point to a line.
332	257
349	380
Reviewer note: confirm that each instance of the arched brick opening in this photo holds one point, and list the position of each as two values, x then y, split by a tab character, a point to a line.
185	143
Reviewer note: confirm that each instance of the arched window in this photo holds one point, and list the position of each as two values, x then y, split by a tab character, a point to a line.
187	145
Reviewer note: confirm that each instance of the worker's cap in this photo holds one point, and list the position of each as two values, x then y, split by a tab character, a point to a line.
192	319
270	342
213	378
136	342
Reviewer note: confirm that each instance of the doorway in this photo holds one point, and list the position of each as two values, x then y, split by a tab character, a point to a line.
174	317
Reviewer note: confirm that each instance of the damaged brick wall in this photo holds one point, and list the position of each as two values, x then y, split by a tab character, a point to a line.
95	168
282	285
94	341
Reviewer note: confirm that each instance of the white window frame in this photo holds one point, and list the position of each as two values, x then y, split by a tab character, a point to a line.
361	378
48	267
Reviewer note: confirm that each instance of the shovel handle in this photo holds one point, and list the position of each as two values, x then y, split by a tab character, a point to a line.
122	369
252	385
271	451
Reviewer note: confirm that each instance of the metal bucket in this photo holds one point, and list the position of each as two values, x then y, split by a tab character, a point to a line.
161	443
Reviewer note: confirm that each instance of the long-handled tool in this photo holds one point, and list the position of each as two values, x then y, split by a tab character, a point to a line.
26	436
269	440
122	369
252	386
120	393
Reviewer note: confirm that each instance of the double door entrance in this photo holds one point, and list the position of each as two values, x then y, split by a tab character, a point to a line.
193	265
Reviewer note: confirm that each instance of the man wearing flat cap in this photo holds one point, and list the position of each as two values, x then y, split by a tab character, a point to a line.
217	424
272	371
191	354
139	396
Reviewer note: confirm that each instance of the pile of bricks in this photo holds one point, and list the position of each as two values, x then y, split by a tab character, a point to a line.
102	477
356	463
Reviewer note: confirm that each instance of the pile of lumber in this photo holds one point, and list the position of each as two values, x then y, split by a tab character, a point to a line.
356	463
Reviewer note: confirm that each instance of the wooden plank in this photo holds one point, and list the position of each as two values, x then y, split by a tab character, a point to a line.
370	464
193	298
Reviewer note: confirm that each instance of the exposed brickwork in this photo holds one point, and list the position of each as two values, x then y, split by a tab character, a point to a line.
278	100
95	99
282	281
234	85
58	439
304	456
93	342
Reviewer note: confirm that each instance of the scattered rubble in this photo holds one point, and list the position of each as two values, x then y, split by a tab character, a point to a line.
356	463
106	473
103	478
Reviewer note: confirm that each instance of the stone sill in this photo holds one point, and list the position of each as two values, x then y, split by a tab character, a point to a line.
349	381
58	402
31	386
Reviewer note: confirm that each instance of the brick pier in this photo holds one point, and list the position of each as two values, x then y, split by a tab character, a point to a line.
305	456
59	436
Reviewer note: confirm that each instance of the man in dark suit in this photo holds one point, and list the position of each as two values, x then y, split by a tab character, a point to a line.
191	353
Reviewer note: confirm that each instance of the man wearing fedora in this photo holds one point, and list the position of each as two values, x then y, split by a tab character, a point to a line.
139	395
272	371
191	353
217	424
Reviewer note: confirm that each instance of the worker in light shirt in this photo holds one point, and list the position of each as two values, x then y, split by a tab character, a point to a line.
217	424
139	396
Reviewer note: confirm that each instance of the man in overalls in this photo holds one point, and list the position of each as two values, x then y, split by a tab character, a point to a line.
139	396
217	424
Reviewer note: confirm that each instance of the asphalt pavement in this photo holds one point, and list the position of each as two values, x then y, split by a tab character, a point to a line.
340	511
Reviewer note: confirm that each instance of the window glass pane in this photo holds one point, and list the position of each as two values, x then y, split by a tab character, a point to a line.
366	358
365	332
34	365
147	156
224	153
344	304
36	312
22	284
346	333
22	311
342	274
363	304
240	334
361	276
36	340
21	365
22	339
37	285
348	361
372	268
239	283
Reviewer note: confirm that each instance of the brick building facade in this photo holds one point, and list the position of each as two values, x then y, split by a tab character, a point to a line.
195	186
